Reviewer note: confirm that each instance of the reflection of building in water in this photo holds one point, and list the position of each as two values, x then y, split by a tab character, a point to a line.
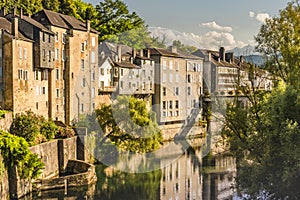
182	178
218	180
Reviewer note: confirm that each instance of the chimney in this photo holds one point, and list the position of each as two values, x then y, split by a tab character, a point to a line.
15	26
119	53
88	25
209	56
173	49
14	12
3	12
148	53
222	53
133	53
21	13
141	53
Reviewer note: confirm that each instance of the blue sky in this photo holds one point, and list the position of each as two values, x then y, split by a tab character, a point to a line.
229	23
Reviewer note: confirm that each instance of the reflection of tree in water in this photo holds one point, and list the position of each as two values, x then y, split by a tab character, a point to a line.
121	185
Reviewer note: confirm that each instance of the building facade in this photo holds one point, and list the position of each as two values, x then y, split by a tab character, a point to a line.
76	62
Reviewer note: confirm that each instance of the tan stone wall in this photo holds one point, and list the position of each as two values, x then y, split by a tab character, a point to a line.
81	83
6	122
58	102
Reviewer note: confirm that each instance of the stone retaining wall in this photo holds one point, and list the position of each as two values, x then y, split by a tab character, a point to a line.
84	175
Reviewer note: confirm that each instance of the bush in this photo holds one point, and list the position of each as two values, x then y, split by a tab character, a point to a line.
65	132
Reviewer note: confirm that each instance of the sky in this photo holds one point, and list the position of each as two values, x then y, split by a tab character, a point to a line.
210	23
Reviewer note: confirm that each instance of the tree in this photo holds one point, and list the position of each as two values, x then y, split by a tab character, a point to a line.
265	137
53	5
279	41
129	125
113	17
184	48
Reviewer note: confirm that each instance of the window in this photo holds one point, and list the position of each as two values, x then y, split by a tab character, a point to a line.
171	65
93	106
83	82
122	72
177	78
102	71
82	47
50	56
189	78
20	53
57	93
63	54
25	75
37	105
49	38
176	104
57	107
56	54
82	63
170	104
37	90
164	78
164	64
121	84
56	36
43	90
129	85
25	53
176	66
176	91
93	75
93	57
44	75
171	78
36	75
164	106
93	41
93	92
44	35
56	74
20	73
44	54
164	91
82	107
64	39
189	90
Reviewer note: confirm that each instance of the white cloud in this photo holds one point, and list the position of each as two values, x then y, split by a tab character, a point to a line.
210	40
261	17
216	26
251	14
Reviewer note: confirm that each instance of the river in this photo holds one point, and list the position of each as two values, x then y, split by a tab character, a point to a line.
188	176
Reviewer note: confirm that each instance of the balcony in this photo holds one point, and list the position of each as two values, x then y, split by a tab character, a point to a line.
106	89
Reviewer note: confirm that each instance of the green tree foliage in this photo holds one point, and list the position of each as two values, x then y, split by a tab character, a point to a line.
15	151
184	48
53	5
28	6
33	128
129	125
265	136
113	17
279	41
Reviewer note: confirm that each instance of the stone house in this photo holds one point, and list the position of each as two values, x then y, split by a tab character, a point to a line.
76	63
178	85
16	64
43	62
133	71
222	71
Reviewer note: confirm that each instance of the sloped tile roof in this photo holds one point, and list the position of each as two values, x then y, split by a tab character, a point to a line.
6	25
61	20
36	24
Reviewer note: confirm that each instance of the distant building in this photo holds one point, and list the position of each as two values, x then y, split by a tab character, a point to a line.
178	85
133	71
76	62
